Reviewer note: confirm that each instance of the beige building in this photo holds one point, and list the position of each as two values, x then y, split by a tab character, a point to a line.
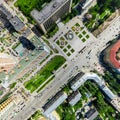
116	103
8	106
51	13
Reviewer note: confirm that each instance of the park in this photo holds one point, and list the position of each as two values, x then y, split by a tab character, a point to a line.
44	73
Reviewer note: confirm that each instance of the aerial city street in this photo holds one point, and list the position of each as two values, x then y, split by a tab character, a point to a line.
59	59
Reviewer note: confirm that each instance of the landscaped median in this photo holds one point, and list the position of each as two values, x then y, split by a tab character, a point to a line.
44	73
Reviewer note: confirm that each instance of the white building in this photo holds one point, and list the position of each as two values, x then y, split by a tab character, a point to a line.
74	98
47	17
50	106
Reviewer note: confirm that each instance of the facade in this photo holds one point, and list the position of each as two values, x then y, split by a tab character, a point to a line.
47	17
112	56
50	106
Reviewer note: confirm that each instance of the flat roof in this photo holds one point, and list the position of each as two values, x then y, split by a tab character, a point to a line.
53	100
5	11
76	78
17	23
74	98
91	114
26	32
47	10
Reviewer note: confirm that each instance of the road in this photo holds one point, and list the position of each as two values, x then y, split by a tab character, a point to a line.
95	46
85	61
48	92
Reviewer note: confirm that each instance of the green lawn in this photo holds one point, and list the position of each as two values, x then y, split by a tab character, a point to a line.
87	36
26	6
68	54
12	85
1	92
5	97
80	36
35	116
77	24
72	50
66	112
65	50
44	73
48	81
83	39
83	32
16	45
68	46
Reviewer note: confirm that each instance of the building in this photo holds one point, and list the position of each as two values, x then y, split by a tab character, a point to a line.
74	98
4	12
86	3
7	108
108	92
116	103
18	25
81	78
53	103
77	81
91	114
111	56
26	32
7	18
51	13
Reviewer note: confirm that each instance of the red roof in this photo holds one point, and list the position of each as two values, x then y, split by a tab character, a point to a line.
113	51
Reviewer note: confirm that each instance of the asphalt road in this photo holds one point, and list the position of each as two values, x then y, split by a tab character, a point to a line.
87	59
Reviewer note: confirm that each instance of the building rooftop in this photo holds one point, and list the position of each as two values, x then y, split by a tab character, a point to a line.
86	3
108	92
116	103
76	78
91	114
5	11
47	11
26	32
54	102
9	108
74	98
17	23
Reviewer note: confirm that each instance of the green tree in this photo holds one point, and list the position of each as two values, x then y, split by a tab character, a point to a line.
115	3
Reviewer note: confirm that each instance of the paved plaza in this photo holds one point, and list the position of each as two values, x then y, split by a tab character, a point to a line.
73	41
82	61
